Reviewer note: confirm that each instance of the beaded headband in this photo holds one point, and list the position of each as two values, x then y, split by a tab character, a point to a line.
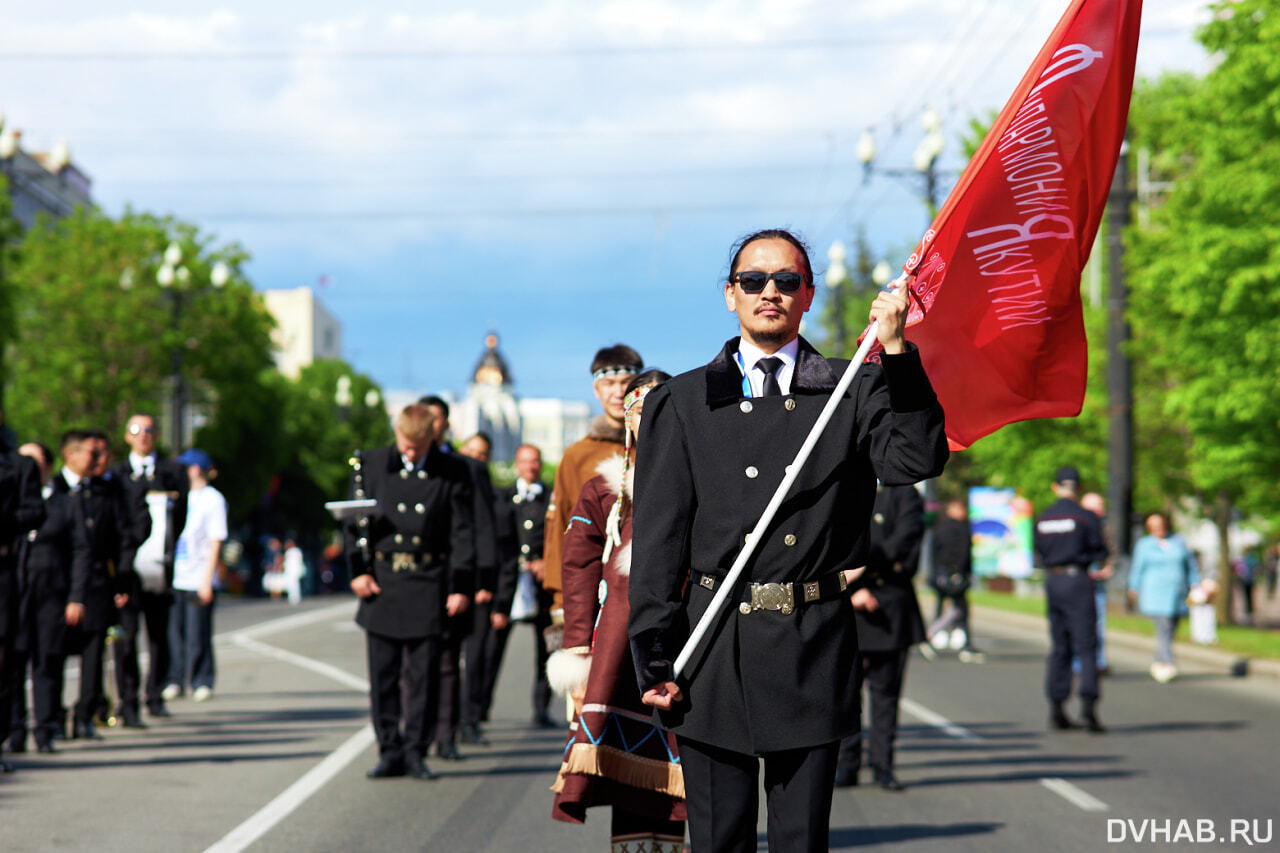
614	370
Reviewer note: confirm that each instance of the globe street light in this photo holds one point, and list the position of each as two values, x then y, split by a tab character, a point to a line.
924	159
837	278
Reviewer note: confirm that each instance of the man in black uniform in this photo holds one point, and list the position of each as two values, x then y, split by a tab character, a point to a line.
1068	539
774	678
889	624
21	511
99	585
475	452
50	556
521	519
413	566
156	497
461	627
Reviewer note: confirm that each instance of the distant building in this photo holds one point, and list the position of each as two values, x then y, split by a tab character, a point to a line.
42	181
304	331
491	406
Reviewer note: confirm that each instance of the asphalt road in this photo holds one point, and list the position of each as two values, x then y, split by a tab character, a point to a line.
276	760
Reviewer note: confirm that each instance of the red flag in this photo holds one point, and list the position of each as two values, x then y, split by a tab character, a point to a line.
995	281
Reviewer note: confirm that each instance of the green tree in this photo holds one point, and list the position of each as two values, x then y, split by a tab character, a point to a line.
95	332
10	236
1206	273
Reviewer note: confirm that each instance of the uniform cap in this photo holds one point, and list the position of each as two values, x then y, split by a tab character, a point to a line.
1067	474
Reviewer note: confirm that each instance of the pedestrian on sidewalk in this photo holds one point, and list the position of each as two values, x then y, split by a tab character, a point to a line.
952	575
1068	539
1163	572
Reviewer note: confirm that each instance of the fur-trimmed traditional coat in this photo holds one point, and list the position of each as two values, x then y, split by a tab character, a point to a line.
615	754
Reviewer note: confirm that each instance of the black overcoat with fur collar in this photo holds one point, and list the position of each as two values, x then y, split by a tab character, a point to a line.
708	463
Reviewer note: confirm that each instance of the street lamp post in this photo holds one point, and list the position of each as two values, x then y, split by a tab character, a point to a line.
837	279
924	160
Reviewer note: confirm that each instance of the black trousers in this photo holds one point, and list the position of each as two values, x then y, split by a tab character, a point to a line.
883	673
153	609
721	790
449	707
476	663
1073	632
495	648
90	645
403	683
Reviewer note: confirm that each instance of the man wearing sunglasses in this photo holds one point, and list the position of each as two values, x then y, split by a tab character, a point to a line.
156	497
773	678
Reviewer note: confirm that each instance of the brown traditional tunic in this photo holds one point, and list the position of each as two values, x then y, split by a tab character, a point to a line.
616	755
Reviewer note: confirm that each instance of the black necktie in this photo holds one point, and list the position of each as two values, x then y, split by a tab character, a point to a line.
770	367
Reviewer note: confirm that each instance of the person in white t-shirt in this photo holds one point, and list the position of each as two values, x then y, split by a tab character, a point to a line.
295	569
195	564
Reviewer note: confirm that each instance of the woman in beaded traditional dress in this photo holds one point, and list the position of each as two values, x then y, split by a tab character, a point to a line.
616	755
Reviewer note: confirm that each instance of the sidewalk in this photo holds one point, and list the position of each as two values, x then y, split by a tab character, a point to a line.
1209	658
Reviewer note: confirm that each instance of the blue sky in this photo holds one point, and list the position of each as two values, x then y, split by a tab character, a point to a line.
568	173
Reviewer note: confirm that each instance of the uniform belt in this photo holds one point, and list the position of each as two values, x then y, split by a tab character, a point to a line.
1066	570
406	561
779	596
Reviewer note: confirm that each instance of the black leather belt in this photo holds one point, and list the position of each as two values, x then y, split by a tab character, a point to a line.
1066	570
407	561
778	596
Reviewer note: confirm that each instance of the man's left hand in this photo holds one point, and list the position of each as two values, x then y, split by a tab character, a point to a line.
456	603
121	599
483	596
663	696
864	600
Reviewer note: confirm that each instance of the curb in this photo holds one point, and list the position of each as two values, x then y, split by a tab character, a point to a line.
1207	657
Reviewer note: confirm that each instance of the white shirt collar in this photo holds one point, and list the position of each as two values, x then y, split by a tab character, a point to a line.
412	466
73	479
749	354
142	463
526	490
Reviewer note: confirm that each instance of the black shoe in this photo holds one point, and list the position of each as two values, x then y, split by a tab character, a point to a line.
386	768
1090	719
448	750
46	748
846	778
544	721
885	779
159	710
417	768
1058	718
131	720
6	767
86	731
17	744
471	734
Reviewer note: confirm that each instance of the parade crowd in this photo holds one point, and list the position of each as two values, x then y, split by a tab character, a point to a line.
93	552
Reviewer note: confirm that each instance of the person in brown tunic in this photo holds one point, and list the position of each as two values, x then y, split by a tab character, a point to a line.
616	754
611	369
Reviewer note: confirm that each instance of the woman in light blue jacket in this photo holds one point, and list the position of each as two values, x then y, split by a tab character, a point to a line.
1163	571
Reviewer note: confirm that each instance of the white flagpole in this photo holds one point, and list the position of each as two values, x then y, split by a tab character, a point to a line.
793	471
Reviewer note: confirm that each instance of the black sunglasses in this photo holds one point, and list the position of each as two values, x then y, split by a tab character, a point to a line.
754	282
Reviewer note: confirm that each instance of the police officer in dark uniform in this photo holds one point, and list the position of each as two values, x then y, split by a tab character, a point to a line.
475	452
413	566
1068	539
889	624
21	511
50	556
521	519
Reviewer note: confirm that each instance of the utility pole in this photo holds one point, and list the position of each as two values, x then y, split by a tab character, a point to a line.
1119	371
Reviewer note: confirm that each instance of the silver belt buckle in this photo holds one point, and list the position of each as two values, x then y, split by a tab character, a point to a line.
773	596
403	562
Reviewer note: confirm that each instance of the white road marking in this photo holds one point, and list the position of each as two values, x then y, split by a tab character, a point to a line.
1061	787
295	795
936	720
267	817
328	670
1074	795
293	620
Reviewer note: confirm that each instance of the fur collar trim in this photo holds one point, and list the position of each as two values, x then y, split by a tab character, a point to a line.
611	469
602	430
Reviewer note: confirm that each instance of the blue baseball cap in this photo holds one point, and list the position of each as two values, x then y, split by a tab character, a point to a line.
197	457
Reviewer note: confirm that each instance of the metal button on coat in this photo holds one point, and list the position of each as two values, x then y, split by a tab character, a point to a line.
752	472
420	509
790	405
744	608
745	406
422	475
399	538
417	540
790	539
401	507
528	524
404	473
524	549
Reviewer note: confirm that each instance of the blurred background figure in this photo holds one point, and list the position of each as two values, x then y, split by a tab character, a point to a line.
1100	572
195	567
294	570
1162	575
273	567
952	575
